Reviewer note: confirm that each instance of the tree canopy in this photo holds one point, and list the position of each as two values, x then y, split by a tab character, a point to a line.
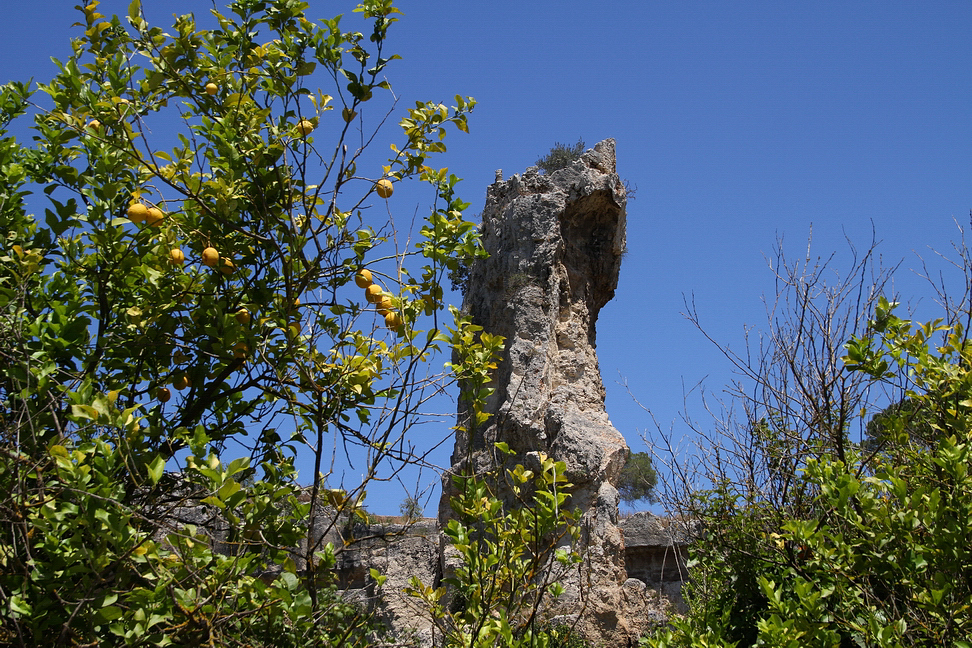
200	280
638	479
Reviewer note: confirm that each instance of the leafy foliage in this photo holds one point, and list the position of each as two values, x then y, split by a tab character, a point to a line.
638	479
153	393
561	156
510	558
877	556
411	508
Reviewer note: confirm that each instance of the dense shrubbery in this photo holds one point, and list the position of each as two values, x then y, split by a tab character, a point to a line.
138	384
820	541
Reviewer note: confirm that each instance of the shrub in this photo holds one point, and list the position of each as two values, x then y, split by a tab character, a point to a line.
511	558
867	546
561	156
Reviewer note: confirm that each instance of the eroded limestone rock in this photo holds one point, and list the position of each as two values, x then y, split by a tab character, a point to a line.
555	243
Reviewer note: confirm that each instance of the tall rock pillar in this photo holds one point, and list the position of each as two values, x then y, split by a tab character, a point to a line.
555	243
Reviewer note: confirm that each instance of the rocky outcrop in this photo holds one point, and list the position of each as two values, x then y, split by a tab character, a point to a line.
399	549
555	243
655	553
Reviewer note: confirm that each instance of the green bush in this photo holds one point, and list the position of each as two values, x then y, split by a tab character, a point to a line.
138	383
561	156
511	558
880	556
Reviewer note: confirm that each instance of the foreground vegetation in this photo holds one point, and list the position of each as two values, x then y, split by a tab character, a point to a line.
195	290
808	538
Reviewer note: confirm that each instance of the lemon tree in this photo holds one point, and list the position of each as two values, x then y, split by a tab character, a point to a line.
179	320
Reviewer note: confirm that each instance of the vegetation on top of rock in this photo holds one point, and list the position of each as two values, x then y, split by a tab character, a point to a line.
561	156
411	508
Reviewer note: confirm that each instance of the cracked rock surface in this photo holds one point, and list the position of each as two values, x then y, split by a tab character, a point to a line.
555	243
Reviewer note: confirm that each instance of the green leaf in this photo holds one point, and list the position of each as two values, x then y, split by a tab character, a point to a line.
229	488
156	469
212	500
19	606
109	613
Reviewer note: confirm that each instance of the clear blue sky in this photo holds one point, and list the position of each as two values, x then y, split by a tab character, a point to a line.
738	122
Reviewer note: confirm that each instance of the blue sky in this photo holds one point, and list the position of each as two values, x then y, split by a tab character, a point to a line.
737	122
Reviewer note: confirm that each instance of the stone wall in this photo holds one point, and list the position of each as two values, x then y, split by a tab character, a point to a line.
654	558
655	553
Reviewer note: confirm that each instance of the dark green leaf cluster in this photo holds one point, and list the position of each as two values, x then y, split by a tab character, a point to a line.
561	156
638	479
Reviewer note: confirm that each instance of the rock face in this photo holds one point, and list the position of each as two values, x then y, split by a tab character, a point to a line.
555	243
655	553
399	550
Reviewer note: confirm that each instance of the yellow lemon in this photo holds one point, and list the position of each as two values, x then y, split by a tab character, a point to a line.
393	321
304	127
181	382
384	302
154	216
373	293
211	89
384	188
163	394
227	267
177	256
137	212
363	278
210	257
243	316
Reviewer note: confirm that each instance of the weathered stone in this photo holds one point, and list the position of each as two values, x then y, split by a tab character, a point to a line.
398	550
555	243
655	554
